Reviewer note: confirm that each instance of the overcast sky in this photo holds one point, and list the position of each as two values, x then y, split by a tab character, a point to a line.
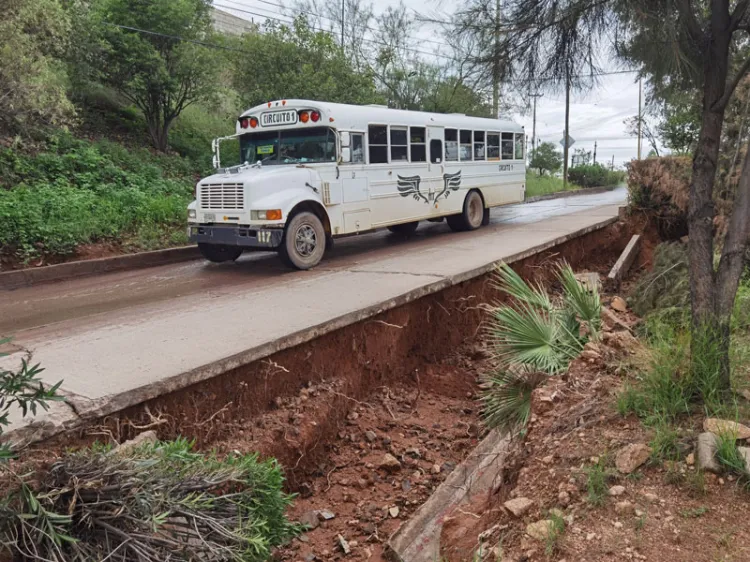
596	116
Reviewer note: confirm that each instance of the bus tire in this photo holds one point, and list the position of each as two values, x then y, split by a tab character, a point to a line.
404	229
304	241
472	215
219	253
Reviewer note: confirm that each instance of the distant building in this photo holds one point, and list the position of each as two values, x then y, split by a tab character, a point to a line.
224	22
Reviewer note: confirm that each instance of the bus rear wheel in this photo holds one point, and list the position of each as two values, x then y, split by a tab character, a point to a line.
219	253
304	241
471	217
404	229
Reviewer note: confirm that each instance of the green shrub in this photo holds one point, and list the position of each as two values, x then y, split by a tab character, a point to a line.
545	185
193	132
78	192
535	337
594	175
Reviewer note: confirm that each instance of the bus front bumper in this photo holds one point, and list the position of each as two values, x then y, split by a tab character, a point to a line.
246	237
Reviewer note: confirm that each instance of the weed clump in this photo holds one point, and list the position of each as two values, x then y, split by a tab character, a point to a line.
153	503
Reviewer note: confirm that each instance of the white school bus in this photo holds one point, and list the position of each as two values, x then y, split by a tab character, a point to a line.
313	171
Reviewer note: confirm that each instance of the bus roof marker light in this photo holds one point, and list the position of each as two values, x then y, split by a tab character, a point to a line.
253	122
283	102
269	104
244	122
304	116
315	116
330	119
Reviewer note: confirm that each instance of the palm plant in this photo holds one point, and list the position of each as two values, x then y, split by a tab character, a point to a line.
533	337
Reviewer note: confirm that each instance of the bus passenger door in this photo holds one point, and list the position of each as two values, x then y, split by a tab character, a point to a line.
435	168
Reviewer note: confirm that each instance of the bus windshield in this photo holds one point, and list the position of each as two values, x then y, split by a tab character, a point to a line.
293	146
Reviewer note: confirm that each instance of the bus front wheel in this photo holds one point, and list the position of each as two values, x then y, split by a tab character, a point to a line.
304	241
472	215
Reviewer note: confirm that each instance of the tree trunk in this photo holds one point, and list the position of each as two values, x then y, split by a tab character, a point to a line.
710	333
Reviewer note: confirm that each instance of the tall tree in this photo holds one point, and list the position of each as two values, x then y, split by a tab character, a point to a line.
151	53
698	44
34	35
546	158
296	61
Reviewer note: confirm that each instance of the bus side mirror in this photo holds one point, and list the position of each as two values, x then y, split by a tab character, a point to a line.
345	139
346	154
215	149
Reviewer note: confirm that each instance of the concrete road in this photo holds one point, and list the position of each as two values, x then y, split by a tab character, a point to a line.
120	338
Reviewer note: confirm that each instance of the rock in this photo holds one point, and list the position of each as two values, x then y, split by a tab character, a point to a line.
435	469
310	520
619	304
726	428
631	457
556	512
590	280
371	436
448	467
624	507
390	463
406	485
519	506
745	454
541	530
653	498
325	515
343	544
564	498
590	536
394	511
617	490
549	459
690	459
745	393
706	452
617	525
147	437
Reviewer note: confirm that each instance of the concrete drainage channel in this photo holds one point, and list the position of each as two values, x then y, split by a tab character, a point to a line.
376	424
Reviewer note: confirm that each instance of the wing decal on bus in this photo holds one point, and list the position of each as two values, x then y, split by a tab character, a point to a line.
409	185
451	182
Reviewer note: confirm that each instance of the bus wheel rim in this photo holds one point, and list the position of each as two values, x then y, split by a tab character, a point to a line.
305	241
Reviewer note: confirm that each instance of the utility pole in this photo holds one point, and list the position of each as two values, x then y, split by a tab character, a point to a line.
533	130
640	115
612	167
343	12
496	64
566	138
594	152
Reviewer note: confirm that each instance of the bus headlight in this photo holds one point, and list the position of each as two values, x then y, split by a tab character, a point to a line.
192	214
270	215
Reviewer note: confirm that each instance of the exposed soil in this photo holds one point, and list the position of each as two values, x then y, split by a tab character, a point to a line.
408	375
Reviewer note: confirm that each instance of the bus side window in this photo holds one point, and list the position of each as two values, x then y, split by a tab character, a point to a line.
507	146
358	148
377	140
436	151
451	145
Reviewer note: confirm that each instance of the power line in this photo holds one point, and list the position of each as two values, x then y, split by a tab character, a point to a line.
315	14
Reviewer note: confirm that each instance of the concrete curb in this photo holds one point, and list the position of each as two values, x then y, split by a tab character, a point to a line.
25	277
571	193
93	409
418	540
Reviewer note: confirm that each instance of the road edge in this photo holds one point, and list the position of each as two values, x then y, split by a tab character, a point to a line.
571	193
18	278
84	410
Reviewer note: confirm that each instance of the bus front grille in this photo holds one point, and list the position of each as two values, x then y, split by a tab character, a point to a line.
221	196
